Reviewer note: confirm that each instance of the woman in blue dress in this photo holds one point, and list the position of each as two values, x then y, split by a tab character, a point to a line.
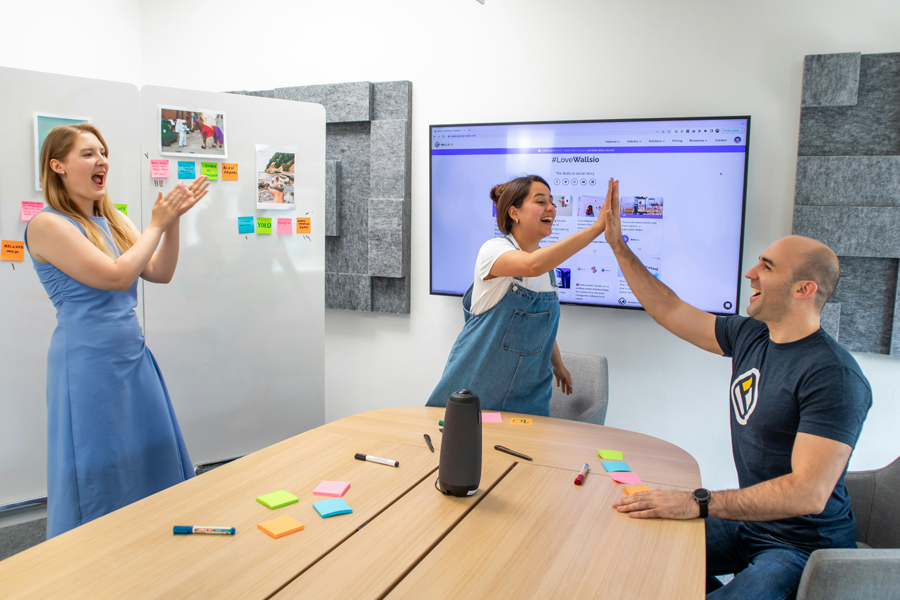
507	352
112	434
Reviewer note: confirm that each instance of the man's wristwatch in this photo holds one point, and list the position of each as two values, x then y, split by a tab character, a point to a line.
701	497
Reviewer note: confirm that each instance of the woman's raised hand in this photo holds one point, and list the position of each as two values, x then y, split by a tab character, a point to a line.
198	189
166	208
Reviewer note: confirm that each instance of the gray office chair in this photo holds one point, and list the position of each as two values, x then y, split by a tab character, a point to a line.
872	571
590	395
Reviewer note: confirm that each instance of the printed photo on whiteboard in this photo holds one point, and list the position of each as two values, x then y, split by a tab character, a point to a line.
275	175
192	132
43	123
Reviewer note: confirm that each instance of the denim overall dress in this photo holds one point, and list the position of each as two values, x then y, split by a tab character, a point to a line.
503	354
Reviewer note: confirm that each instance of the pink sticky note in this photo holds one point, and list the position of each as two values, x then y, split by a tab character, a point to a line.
284	227
159	168
487	417
29	209
331	488
625	478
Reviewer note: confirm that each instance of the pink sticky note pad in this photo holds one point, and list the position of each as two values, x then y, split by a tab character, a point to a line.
332	488
494	417
625	478
284	227
159	168
29	209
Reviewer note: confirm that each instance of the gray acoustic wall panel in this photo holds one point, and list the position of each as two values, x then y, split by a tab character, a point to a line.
260	93
367	218
848	181
848	191
869	128
830	79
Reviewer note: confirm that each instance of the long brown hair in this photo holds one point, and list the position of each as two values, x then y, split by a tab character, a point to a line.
58	144
512	193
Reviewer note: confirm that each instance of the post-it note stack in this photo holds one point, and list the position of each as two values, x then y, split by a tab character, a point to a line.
634	489
616	466
278	499
330	508
332	488
491	417
280	526
609	454
625	477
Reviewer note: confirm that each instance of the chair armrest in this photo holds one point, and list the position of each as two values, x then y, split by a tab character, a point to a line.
851	573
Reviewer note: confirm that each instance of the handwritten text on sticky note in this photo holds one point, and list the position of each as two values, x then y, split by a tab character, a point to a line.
264	225
229	171
12	250
187	169
520	421
122	208
29	209
159	168
245	224
284	227
211	170
304	225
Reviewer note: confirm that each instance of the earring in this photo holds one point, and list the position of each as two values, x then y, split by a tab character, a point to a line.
517	221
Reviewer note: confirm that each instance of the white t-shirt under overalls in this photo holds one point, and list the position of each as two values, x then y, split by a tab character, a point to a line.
487	293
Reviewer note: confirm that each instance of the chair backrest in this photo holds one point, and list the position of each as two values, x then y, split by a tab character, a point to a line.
590	384
874	500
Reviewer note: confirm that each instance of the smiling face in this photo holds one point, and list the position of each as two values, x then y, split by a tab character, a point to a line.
84	169
536	215
771	280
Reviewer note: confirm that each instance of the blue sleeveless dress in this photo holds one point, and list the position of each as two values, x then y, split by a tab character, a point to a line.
112	435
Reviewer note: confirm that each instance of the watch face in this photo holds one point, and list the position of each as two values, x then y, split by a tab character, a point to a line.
701	495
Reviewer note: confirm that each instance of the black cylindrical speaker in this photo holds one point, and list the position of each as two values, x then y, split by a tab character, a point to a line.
460	467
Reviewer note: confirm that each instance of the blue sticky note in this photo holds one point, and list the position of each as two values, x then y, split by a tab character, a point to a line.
615	466
186	170
245	224
332	507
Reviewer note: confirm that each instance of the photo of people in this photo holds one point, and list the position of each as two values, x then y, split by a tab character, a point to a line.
589	206
641	206
563	205
275	174
199	133
42	126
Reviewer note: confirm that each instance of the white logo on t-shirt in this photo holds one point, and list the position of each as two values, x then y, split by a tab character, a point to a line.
744	395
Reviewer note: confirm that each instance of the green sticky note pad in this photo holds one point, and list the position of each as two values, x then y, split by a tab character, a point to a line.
211	170
278	499
609	454
122	208
264	225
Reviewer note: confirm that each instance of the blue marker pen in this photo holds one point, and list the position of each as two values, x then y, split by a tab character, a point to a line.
186	529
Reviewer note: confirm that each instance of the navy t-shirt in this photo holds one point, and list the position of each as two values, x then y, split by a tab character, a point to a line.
811	386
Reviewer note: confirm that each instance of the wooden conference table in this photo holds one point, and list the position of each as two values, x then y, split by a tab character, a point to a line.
529	532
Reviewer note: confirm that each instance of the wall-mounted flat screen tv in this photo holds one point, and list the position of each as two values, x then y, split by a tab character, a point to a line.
683	189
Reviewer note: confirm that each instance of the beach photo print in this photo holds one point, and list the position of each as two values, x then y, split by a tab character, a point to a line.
275	177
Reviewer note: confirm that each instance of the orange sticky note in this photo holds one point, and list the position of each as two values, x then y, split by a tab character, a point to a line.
229	171
13	250
304	225
280	526
634	489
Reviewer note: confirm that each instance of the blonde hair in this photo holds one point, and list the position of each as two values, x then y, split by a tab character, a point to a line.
58	144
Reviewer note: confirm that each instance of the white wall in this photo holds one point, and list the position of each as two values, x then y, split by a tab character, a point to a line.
531	60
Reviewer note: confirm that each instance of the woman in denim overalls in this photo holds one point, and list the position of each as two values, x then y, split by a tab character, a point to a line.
507	352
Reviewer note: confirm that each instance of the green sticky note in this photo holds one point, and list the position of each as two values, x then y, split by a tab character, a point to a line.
278	499
610	454
123	208
211	170
264	225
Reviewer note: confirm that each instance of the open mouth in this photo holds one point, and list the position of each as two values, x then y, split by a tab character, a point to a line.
756	291
98	179
547	220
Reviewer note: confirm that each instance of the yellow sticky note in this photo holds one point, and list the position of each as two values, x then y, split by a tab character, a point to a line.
610	454
211	170
229	172
13	250
520	421
264	225
304	225
634	489
280	526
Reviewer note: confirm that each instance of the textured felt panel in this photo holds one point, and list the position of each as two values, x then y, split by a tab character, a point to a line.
343	102
390	295
390	160
848	180
869	128
260	93
851	231
830	79
831	319
895	335
332	197
386	238
349	143
393	100
350	291
866	293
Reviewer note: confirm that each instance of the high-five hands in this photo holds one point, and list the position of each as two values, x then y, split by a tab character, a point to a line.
613	216
612	190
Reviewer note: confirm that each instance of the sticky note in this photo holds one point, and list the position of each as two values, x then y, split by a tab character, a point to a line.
634	489
264	225
332	507
280	526
332	488
284	227
211	170
245	224
186	169
615	465
491	417
29	209
625	478
278	499
122	208
229	171
520	421
12	250
609	454
159	168
304	225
